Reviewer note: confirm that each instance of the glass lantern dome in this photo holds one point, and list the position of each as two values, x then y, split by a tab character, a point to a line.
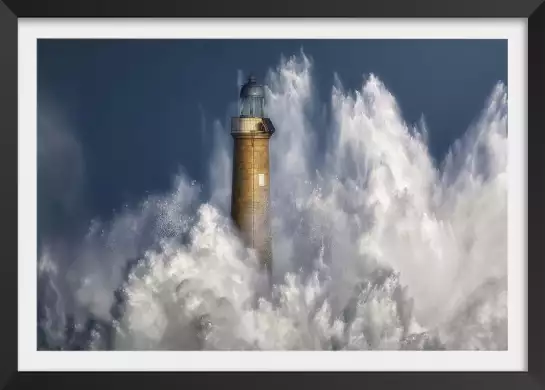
252	99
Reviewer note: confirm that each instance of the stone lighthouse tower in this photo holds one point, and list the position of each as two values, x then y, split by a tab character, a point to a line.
251	132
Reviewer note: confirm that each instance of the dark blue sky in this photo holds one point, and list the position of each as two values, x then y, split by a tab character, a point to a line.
136	106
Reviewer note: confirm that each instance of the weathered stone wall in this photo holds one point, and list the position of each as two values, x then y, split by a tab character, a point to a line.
250	195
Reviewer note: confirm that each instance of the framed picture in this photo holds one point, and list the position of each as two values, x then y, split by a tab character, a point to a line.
327	194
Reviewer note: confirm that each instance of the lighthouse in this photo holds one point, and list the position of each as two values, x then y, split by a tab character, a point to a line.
251	131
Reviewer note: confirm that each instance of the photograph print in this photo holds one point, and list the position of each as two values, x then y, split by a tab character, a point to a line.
278	194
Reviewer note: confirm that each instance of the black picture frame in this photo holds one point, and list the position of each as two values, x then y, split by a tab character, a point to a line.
532	10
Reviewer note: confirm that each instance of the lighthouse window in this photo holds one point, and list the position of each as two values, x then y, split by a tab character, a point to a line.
252	106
